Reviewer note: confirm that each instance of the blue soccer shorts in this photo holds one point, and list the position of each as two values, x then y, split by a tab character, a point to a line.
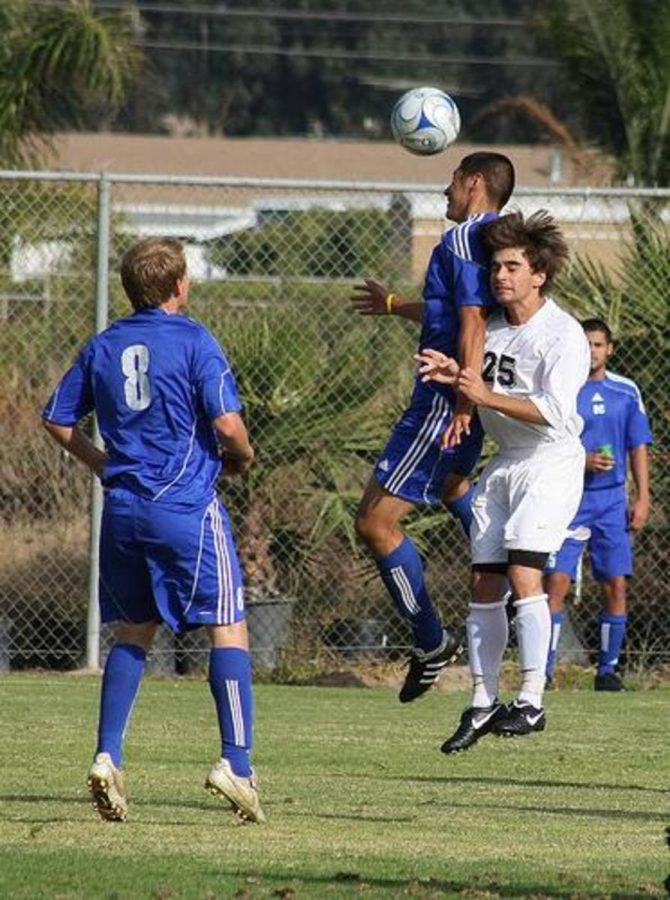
179	566
604	512
413	465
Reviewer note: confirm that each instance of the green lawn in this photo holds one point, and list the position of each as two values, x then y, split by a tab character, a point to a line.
360	801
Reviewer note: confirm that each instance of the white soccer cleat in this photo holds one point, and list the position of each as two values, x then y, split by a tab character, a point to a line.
241	793
108	790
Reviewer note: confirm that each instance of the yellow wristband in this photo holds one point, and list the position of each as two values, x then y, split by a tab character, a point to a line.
389	303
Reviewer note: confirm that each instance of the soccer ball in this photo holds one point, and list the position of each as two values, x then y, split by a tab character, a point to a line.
425	120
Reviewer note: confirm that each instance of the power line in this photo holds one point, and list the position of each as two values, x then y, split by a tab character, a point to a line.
323	53
221	11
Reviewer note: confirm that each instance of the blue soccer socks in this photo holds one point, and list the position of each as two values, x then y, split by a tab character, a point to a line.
230	683
557	619
612	636
462	509
402	573
120	683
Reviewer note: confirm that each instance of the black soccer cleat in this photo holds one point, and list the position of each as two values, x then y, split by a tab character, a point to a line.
610	681
476	721
425	668
521	718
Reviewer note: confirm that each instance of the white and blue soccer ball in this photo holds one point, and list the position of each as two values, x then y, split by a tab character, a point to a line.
425	121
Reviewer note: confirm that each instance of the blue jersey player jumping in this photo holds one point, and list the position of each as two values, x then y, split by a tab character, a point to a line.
169	415
413	468
616	430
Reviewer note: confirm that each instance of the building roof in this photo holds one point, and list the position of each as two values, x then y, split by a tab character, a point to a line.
300	158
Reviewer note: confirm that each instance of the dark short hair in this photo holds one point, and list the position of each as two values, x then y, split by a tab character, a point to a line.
598	325
538	236
150	271
496	170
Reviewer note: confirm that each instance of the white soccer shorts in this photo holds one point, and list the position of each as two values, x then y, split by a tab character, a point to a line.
526	502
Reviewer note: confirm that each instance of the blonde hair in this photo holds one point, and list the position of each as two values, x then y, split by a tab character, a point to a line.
150	271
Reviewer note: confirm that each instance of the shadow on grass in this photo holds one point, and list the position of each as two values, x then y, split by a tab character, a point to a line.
204	807
517	782
254	882
353	883
428	887
293	811
572	811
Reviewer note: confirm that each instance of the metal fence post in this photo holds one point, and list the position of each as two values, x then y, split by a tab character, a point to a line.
101	316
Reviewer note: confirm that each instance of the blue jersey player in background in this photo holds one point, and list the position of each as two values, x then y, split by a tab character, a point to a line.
169	415
616	431
413	468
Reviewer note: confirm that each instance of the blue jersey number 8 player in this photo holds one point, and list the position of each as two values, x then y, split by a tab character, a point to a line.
413	468
168	412
616	430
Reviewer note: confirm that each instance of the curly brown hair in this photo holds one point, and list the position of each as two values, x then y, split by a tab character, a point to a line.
538	237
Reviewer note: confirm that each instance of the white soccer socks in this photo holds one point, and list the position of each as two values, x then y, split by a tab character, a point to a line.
487	638
533	633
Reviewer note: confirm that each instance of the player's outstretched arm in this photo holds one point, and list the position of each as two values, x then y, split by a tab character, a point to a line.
76	443
233	438
372	299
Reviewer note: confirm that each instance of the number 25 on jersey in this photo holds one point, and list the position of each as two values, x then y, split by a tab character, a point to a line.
501	370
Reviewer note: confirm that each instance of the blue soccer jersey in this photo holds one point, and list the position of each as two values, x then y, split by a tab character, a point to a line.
614	416
413	465
457	276
156	382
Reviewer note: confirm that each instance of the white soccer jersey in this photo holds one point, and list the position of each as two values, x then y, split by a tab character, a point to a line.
545	360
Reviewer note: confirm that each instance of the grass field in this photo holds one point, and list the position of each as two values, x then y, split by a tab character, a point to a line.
360	800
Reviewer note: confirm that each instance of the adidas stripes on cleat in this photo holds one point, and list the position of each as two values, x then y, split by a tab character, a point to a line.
108	790
425	668
521	718
476	721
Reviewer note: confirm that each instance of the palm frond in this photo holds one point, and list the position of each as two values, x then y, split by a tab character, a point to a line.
619	50
57	60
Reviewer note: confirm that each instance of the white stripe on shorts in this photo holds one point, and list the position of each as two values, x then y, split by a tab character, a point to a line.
420	445
201	543
225	609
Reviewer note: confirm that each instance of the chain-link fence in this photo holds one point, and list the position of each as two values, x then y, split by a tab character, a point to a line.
273	263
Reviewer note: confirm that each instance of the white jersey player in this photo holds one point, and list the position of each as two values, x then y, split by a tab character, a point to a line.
536	359
540	464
